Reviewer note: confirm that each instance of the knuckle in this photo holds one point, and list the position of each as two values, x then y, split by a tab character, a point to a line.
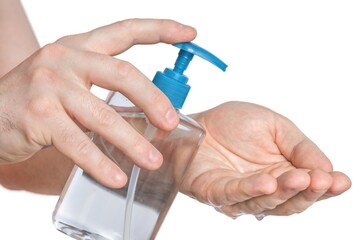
138	143
157	97
257	206
42	75
288	212
127	23
85	41
65	134
84	147
124	69
169	25
230	211
65	39
201	191
130	25
41	71
106	117
102	164
40	106
51	51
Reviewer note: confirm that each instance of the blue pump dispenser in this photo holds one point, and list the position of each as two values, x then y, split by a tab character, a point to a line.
173	82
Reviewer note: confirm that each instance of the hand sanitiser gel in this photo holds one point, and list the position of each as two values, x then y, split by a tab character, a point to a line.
88	210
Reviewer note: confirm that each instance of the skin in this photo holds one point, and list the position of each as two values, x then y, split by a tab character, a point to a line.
252	161
17	38
256	161
56	105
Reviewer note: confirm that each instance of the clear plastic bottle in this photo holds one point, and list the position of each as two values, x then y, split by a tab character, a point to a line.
89	210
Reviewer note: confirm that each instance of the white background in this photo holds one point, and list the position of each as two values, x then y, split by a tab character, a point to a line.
299	58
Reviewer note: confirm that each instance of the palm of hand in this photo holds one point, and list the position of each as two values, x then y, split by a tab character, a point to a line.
255	161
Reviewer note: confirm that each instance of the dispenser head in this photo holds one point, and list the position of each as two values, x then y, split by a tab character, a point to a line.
173	82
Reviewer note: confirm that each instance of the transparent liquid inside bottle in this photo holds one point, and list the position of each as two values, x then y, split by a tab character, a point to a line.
88	210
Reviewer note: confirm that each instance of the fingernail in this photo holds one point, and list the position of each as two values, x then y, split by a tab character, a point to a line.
119	179
260	216
171	116
238	214
188	28
154	155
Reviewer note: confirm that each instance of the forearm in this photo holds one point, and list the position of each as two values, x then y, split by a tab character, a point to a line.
17	40
45	173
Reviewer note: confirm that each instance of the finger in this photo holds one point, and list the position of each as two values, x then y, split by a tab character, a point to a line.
76	145
299	149
233	190
289	184
99	117
321	181
340	184
118	37
121	76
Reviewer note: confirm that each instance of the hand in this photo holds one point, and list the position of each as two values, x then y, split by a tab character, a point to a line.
46	99
255	161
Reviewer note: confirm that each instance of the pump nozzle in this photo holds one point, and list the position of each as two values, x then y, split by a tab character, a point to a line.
173	82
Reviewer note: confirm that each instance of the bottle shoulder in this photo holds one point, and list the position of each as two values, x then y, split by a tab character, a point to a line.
186	119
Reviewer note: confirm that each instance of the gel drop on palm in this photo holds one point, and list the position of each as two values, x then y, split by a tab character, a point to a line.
88	210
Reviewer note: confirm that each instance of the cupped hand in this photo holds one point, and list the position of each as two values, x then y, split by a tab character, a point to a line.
255	161
46	99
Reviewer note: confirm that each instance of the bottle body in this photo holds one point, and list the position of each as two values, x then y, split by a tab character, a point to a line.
88	210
